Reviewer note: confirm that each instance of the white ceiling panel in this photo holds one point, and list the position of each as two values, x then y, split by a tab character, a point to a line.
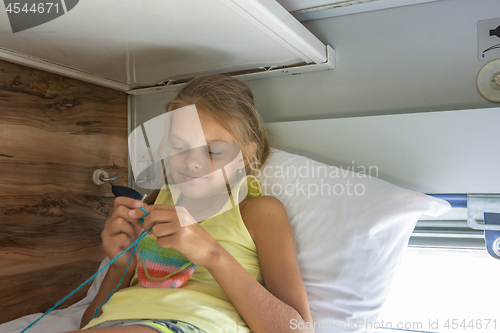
294	5
138	43
305	10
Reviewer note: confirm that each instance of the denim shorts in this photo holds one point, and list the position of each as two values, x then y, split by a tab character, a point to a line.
161	325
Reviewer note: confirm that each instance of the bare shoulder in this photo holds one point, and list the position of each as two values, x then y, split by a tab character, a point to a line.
258	213
266	202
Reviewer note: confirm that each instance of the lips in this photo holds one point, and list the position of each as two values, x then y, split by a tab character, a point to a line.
193	179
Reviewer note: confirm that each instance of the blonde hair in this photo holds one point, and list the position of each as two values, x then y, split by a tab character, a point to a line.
230	103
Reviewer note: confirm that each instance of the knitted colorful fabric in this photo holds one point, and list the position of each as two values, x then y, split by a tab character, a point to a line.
161	267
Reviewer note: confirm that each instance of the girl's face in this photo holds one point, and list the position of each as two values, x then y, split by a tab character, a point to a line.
203	156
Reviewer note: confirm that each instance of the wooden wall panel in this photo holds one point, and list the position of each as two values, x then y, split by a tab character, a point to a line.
54	132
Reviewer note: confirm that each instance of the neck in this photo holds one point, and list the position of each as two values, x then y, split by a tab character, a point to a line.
203	208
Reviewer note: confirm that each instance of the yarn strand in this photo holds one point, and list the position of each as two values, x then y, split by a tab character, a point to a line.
119	283
144	234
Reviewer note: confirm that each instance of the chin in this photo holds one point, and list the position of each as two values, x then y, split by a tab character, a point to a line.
191	192
199	191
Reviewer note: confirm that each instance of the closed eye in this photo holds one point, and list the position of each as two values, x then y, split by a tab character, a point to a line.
178	148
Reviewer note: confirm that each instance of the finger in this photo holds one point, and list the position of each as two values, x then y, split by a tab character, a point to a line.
156	214
164	242
121	226
164	229
121	242
127	202
123	212
140	213
124	242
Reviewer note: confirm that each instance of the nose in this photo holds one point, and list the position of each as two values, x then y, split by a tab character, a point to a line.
195	159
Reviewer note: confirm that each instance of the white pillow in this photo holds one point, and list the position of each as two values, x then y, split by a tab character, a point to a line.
350	230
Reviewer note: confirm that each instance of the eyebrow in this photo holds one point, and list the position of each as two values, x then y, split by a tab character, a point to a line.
211	141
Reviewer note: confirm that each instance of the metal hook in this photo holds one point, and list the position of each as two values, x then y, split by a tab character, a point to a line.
100	177
109	180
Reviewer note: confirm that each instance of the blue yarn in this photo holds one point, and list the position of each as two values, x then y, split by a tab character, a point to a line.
142	218
134	244
124	272
126	268
119	283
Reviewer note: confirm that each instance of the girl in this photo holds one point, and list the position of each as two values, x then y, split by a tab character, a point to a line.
247	276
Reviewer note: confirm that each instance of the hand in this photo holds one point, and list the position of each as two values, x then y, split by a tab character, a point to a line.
121	230
194	242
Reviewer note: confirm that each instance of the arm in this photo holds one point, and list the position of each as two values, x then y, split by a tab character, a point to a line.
119	232
282	305
110	281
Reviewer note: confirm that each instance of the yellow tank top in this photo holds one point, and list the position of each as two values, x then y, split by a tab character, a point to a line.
200	301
